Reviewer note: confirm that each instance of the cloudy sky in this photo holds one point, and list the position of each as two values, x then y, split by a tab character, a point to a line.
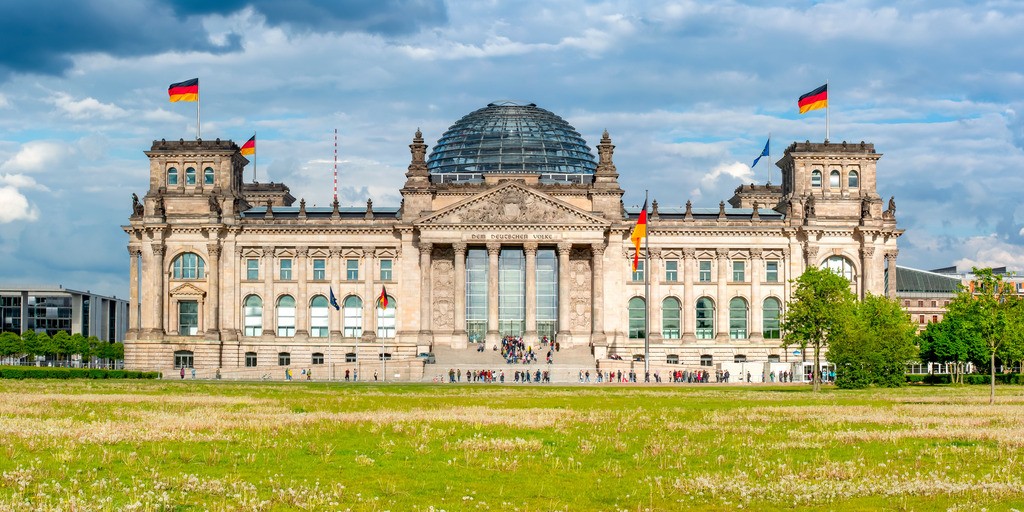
688	91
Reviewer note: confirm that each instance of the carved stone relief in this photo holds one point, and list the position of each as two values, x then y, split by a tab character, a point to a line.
580	290
442	273
511	205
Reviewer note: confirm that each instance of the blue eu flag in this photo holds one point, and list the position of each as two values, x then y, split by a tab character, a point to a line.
334	300
764	152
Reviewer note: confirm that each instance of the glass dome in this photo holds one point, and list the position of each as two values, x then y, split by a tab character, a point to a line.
507	137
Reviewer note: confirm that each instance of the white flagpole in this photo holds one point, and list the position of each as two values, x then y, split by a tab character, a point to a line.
826	110
254	151
647	292
769	146
198	132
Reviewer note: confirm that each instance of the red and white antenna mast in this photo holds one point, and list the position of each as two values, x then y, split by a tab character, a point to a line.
335	165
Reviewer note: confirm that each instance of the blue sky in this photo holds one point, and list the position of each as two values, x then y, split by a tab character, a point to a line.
688	91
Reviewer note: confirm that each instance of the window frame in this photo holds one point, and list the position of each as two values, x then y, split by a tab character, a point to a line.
835	179
285	318
668	332
251	359
739	271
637	275
351	270
284	266
319	269
252	269
853	179
190	176
172	176
816	178
707	332
387	274
284	358
672	271
352	316
771	275
704	274
208	176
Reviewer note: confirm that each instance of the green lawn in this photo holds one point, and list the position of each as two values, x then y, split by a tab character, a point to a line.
173	445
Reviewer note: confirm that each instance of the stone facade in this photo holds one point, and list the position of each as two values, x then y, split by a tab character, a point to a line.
248	246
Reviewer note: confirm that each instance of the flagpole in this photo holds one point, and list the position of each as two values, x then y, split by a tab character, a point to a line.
647	292
254	159
826	110
198	132
768	146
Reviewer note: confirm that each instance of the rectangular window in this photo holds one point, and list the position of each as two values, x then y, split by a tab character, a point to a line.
188	318
286	269
671	271
935	318
385	270
771	271
920	303
705	271
920	319
252	269
284	359
250	359
352	270
319	269
933	303
638	274
739	271
318	358
476	294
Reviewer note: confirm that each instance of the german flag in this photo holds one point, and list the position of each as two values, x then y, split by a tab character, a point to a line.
814	100
184	91
382	301
249	147
639	233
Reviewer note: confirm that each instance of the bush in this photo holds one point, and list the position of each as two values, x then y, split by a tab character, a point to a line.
33	372
929	378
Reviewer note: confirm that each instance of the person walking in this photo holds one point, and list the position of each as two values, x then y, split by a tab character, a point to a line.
193	373
182	373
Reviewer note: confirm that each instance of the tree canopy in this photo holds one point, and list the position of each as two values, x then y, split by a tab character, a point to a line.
817	313
876	343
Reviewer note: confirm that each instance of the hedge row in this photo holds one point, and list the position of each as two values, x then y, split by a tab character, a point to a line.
973	378
34	372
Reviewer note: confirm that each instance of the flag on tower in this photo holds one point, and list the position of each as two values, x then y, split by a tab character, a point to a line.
249	147
382	301
814	100
639	233
764	152
184	91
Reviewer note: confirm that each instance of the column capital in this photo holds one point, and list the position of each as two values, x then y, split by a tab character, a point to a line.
268	251
721	254
493	247
655	252
598	248
302	251
159	250
530	247
756	253
459	248
868	251
689	253
368	251
891	255
426	247
238	251
213	250
564	247
335	251
134	250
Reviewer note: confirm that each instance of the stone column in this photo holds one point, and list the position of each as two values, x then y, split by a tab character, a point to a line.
890	261
597	302
269	304
656	273
530	248
756	303
369	294
301	295
459	336
337	321
689	307
213	249
867	261
563	293
722	299
156	279
426	248
493	249
133	292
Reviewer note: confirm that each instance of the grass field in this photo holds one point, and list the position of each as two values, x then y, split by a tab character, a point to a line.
172	445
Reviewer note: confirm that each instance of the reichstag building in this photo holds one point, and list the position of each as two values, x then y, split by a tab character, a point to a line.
510	226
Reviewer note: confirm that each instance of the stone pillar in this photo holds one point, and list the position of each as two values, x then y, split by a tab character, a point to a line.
337	321
563	293
269	304
133	292
597	302
369	294
890	263
459	339
301	295
689	307
426	248
156	279
867	275
656	274
212	324
493	250
530	248
756	303
722	299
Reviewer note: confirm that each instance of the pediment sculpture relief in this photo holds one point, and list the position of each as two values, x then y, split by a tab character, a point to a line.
511	205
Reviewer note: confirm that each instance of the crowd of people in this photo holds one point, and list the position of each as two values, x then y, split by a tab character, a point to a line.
516	351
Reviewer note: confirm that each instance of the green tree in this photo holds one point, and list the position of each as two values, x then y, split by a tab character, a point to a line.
817	313
61	345
45	343
80	346
952	342
116	350
31	343
1011	352
876	344
10	345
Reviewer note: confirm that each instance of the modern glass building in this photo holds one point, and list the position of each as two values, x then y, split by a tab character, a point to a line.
52	310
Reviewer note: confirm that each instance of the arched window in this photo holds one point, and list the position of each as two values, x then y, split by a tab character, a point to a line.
853	180
815	179
670	310
286	316
737	318
208	176
190	176
188	266
833	179
184	359
637	315
172	176
318	317
253	314
386	319
840	266
353	316
772	311
705	318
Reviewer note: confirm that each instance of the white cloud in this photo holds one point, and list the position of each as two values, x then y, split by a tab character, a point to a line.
736	172
3	101
15	206
88	108
21	181
36	156
991	251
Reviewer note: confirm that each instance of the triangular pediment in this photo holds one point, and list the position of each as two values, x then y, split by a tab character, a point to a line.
512	203
187	290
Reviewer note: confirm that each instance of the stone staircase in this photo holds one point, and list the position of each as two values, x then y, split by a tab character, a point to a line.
565	367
